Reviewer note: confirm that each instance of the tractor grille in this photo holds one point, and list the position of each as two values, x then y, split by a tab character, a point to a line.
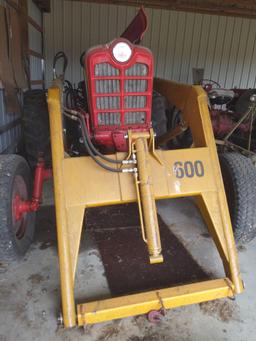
108	102
135	101
106	69
109	119
107	86
108	94
133	117
137	69
137	85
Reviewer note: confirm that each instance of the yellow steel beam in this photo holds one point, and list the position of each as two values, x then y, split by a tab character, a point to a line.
192	101
67	284
142	303
80	183
114	188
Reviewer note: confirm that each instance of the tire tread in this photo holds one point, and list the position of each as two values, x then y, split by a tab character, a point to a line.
242	175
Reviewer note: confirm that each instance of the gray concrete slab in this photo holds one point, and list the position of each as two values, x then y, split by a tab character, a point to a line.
29	292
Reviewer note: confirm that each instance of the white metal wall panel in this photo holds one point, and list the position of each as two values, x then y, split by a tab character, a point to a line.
34	12
11	136
35	68
224	46
34	39
35	44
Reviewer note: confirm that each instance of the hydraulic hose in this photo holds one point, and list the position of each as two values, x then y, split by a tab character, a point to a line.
87	146
95	150
60	55
90	152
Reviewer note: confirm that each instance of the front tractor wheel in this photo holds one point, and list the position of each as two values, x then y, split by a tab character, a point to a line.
239	177
17	232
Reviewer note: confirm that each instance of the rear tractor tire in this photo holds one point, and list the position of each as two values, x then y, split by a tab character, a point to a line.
239	177
36	127
16	235
184	140
159	120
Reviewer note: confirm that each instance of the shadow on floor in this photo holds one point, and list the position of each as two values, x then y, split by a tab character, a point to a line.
117	233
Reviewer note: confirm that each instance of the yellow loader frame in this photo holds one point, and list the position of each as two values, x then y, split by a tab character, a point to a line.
80	183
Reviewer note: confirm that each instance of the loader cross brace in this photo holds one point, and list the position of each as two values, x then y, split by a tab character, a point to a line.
161	174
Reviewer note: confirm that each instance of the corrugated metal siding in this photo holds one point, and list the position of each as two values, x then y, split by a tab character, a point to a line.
34	12
35	68
34	39
11	136
35	44
36	71
224	46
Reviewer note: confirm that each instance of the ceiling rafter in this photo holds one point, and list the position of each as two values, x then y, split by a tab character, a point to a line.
44	5
240	8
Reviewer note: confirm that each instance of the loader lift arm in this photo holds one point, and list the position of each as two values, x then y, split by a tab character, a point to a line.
166	179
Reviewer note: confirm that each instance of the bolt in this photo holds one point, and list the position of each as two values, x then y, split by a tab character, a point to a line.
129	170
232	298
253	98
60	320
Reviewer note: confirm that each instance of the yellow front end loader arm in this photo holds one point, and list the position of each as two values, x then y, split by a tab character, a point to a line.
158	174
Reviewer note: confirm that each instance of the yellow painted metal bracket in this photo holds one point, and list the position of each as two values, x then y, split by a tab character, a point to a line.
80	183
136	304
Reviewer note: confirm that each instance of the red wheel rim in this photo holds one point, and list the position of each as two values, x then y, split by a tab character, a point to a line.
19	192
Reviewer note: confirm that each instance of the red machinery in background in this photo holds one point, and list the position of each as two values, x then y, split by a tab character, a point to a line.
233	115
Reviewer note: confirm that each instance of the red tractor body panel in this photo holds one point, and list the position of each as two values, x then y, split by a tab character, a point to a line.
119	93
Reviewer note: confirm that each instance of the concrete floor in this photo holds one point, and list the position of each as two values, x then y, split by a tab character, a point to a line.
29	291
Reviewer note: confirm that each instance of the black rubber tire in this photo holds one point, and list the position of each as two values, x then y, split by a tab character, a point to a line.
239	177
159	120
12	246
36	127
185	139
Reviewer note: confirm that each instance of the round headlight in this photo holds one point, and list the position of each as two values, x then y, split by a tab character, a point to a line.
122	52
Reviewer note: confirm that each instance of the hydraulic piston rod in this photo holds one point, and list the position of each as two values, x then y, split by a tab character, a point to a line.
147	199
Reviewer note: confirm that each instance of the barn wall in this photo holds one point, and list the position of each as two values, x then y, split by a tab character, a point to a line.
224	46
8	137
10	117
35	41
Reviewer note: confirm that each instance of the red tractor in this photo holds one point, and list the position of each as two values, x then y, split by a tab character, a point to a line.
121	88
116	122
124	67
233	116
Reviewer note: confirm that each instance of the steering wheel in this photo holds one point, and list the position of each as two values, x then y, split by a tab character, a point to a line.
209	84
